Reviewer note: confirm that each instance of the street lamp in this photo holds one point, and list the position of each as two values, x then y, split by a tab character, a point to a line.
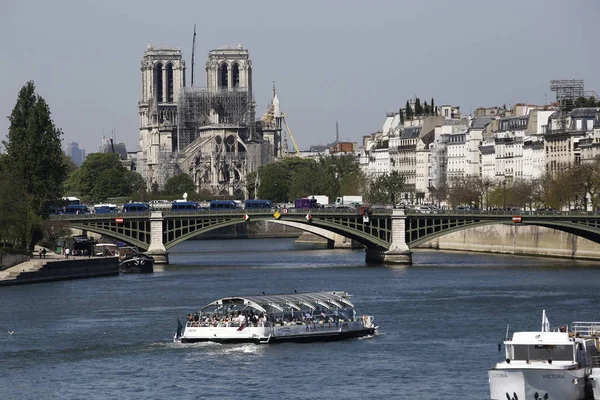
504	193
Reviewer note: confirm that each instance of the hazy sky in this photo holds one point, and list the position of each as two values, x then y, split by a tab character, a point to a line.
349	60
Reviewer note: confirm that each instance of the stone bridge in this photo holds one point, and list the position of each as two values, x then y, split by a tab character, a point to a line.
386	234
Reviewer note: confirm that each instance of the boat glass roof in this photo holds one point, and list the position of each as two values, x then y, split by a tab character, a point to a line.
278	300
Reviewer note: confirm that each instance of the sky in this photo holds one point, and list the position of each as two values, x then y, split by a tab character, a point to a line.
350	61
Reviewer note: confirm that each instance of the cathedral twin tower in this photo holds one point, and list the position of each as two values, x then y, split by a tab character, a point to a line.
207	132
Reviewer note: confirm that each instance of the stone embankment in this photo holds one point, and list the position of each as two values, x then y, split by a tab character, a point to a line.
55	268
518	239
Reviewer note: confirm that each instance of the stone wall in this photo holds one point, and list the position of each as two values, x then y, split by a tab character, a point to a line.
518	239
8	260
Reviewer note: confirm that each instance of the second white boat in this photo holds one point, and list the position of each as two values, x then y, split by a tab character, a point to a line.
546	364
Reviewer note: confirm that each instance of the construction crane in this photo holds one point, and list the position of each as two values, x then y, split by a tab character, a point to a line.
290	133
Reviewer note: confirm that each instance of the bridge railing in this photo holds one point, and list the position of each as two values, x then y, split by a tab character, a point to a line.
575	213
331	211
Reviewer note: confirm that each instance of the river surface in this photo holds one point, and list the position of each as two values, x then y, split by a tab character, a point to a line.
440	321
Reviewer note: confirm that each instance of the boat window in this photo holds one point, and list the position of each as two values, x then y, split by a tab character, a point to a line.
543	352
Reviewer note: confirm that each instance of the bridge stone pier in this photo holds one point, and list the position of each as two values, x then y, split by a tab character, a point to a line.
157	247
334	240
398	252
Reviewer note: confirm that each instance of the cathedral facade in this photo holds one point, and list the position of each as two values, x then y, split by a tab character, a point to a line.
207	132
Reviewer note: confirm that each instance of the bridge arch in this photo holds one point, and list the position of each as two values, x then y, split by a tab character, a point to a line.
585	228
318	227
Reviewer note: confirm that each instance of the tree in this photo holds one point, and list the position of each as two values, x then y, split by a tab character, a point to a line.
70	166
426	109
102	175
586	102
401	114
418	107
433	109
54	231
34	149
387	188
179	184
586	181
409	111
554	189
464	190
14	208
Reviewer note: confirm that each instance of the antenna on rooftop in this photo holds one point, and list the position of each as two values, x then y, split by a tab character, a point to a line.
193	51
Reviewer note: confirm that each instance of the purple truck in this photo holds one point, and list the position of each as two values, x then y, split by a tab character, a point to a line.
305	203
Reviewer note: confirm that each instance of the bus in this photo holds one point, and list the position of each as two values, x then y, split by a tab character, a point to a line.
75	209
258	204
136	207
179	205
105	208
71	201
223	205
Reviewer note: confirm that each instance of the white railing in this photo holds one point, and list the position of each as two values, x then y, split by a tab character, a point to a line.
586	328
594	362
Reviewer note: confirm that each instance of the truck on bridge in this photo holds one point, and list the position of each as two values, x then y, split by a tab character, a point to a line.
348	200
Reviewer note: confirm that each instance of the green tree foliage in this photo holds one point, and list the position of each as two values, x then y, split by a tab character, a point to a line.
14	208
102	176
581	102
426	109
409	110
433	109
386	188
294	177
34	149
70	166
179	184
418	107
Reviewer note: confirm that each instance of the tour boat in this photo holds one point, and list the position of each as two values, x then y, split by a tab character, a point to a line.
546	364
298	317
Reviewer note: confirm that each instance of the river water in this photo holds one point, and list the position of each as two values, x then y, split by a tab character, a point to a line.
439	324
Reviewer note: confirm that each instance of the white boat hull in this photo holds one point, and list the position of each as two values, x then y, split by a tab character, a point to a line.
536	384
286	333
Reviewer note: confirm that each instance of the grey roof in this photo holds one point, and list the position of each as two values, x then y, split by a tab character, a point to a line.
481	122
411	132
258	302
589	112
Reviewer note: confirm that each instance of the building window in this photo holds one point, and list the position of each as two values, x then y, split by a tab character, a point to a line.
236	75
169	83
224	76
158	81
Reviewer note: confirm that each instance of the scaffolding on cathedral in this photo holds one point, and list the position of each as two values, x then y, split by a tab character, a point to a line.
169	166
199	107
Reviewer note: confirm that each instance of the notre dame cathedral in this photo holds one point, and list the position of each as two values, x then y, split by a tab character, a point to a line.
207	132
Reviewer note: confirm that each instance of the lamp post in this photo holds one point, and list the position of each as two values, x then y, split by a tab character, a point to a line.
504	193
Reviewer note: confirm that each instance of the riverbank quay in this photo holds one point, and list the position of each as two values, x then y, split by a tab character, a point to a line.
57	268
524	240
